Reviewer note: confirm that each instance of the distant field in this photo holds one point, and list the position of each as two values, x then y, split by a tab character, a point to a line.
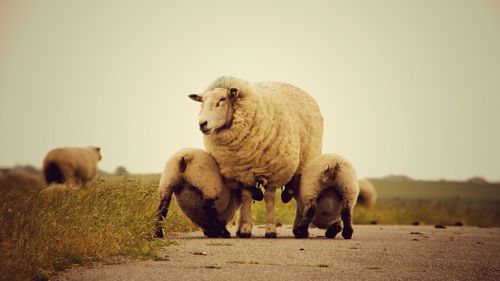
436	190
115	215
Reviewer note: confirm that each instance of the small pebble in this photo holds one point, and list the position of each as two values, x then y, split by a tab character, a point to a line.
440	226
200	253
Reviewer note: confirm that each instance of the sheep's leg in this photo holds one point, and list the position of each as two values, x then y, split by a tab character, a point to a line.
302	229
162	214
245	221
346	215
215	228
298	218
333	229
269	198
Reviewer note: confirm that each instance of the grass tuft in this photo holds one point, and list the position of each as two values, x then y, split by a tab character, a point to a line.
110	217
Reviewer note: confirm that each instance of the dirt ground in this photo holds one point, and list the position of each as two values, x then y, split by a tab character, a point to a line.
376	252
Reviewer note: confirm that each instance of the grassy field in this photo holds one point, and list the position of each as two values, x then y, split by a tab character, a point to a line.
115	215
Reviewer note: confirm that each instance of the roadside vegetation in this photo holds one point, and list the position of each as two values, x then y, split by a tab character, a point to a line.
114	217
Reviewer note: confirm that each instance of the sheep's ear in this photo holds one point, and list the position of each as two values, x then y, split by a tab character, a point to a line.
195	97
233	93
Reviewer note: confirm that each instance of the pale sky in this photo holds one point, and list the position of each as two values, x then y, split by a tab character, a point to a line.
405	87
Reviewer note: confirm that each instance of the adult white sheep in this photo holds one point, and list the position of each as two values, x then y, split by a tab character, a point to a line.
201	192
367	194
259	132
327	194
72	165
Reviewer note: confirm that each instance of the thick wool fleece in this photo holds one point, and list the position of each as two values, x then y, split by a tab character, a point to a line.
367	194
329	175
71	164
193	176
277	129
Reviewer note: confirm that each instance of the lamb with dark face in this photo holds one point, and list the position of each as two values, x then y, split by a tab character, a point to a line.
326	194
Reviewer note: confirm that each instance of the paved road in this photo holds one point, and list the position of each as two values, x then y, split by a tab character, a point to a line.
375	253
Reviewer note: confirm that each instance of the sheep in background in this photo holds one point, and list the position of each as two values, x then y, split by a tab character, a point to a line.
17	177
367	194
259	133
326	196
200	190
71	165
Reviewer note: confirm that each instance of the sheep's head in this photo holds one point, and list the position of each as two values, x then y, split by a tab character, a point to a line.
217	109
97	151
291	189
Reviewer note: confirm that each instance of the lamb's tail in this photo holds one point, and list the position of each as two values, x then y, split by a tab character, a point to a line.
328	176
326	180
168	181
52	173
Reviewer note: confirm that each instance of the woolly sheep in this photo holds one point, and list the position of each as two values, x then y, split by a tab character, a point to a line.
261	133
367	194
201	192
71	164
327	194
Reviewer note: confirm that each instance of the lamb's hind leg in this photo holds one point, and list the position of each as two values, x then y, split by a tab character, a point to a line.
162	214
333	229
302	229
270	198
346	215
215	228
245	221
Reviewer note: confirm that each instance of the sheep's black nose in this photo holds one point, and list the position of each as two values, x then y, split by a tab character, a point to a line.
203	125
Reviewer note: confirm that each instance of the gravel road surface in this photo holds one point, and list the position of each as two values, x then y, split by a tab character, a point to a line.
376	252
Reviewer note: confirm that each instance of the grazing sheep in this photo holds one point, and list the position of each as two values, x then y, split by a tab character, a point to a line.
71	164
367	194
201	192
327	194
262	133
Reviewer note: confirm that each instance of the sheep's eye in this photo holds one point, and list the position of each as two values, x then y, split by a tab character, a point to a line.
222	100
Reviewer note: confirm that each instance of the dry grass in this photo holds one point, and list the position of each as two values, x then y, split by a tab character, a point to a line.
107	218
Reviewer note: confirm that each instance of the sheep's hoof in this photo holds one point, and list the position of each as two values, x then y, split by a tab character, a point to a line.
347	233
158	233
333	230
212	233
225	234
243	234
271	235
300	232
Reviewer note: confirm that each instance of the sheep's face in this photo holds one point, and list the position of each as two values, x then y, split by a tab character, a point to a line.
217	109
291	189
97	151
